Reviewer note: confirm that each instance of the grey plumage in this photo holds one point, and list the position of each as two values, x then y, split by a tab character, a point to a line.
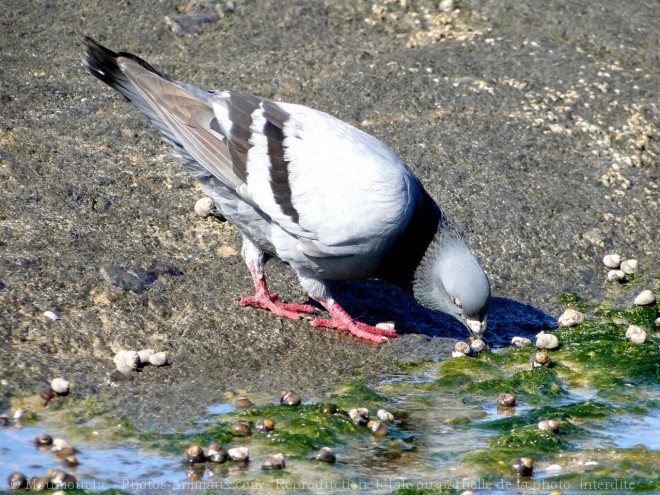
327	198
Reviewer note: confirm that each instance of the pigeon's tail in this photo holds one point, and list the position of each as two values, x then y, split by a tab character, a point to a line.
183	113
102	63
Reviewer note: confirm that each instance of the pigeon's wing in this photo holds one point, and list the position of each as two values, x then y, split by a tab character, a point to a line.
338	190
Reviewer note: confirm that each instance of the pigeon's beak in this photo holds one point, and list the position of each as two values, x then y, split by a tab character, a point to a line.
476	327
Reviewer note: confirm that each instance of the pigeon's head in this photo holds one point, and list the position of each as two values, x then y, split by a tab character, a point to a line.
450	279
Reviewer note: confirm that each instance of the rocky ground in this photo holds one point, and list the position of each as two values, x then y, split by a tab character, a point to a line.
534	124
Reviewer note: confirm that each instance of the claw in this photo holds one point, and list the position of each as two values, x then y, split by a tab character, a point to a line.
271	303
342	321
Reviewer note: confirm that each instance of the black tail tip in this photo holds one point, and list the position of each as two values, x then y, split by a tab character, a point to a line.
98	58
100	61
94	48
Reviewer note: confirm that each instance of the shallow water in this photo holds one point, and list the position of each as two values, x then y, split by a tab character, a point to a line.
628	431
101	466
424	451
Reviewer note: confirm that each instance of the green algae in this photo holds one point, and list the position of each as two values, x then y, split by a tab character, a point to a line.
176	443
591	348
573	300
637	315
475	368
568	413
357	393
460	372
304	430
299	430
535	386
530	437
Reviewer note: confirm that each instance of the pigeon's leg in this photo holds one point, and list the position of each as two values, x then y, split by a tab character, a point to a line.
254	258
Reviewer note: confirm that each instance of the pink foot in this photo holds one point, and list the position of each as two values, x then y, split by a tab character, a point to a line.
271	303
342	321
263	298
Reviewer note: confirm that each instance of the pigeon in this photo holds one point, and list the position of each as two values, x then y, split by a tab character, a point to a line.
326	198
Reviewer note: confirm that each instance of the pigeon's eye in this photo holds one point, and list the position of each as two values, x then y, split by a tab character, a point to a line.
456	301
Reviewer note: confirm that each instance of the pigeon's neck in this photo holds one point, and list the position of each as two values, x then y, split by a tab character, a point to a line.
447	250
406	254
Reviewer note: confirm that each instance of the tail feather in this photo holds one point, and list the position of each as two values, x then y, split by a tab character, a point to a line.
104	64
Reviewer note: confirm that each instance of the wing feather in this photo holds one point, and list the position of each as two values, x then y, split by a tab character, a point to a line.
189	118
336	189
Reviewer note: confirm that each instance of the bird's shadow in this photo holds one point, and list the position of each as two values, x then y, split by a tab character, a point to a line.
374	301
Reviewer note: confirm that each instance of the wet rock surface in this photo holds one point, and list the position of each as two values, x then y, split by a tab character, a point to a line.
534	124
